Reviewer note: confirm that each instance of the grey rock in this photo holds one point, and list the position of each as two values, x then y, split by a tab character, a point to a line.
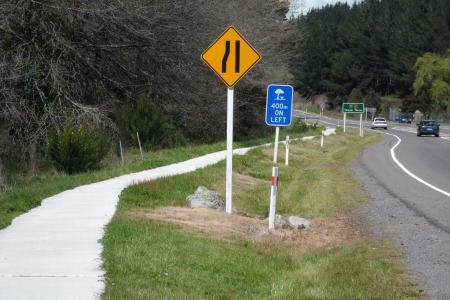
298	223
293	222
282	221
206	198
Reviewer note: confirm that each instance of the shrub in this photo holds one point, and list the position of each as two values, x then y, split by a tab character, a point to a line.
77	148
148	119
298	126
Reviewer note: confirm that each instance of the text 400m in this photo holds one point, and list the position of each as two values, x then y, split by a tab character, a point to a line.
279	106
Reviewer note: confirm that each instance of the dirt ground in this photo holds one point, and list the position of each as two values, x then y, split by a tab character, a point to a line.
325	233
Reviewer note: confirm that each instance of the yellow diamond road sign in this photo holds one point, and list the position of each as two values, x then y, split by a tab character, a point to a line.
231	56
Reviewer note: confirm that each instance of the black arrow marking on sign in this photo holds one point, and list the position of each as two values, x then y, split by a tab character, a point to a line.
238	56
237	61
225	57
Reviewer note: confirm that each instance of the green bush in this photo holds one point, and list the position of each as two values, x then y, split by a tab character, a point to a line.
148	119
299	126
77	148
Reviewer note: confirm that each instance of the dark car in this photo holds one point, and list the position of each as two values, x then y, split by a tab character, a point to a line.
428	127
403	119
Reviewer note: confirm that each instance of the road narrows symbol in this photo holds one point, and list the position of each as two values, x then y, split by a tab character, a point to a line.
225	57
237	58
236	62
230	51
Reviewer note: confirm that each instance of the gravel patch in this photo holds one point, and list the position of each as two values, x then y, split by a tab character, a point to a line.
426	247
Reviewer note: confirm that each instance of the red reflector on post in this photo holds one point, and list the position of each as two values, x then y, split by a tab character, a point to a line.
273	198
274	180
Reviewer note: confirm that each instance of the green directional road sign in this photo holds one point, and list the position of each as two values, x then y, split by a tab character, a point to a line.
356	108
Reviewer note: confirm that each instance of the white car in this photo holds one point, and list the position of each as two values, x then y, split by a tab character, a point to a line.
379	123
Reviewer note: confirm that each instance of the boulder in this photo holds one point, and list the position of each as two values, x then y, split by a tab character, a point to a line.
293	222
298	223
282	221
206	198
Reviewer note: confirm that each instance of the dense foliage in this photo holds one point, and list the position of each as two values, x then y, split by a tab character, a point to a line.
433	80
77	148
371	46
145	120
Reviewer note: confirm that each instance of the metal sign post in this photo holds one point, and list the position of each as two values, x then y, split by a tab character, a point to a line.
355	108
275	150
230	57
288	142
229	164
322	107
371	110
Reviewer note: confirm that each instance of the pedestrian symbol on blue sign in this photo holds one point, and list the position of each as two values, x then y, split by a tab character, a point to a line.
279	105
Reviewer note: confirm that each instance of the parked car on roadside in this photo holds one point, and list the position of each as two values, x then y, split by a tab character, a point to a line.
378	123
428	127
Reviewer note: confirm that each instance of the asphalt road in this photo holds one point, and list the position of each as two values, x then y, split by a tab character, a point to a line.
408	178
426	187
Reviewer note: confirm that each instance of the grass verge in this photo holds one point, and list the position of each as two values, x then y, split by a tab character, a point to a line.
28	192
193	258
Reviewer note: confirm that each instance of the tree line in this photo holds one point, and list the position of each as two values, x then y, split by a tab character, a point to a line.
371	46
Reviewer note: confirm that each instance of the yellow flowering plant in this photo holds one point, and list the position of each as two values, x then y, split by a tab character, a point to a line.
77	148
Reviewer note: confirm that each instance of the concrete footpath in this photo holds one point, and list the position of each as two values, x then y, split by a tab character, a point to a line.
54	250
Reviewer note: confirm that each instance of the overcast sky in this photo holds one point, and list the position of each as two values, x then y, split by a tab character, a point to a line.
308	4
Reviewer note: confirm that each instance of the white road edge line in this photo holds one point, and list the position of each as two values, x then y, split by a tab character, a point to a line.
405	169
409	172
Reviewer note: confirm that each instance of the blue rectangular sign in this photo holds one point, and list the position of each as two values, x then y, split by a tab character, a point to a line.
279	105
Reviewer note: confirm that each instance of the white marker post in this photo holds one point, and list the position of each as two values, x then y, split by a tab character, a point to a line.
229	166
121	151
345	119
360	125
275	150
287	150
140	148
273	198
321	140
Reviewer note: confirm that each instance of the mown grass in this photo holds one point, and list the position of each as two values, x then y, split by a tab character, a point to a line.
148	259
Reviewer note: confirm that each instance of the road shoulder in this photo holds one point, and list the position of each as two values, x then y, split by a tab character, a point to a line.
425	247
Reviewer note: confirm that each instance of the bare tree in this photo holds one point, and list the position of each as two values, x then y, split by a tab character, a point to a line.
263	24
83	60
74	60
